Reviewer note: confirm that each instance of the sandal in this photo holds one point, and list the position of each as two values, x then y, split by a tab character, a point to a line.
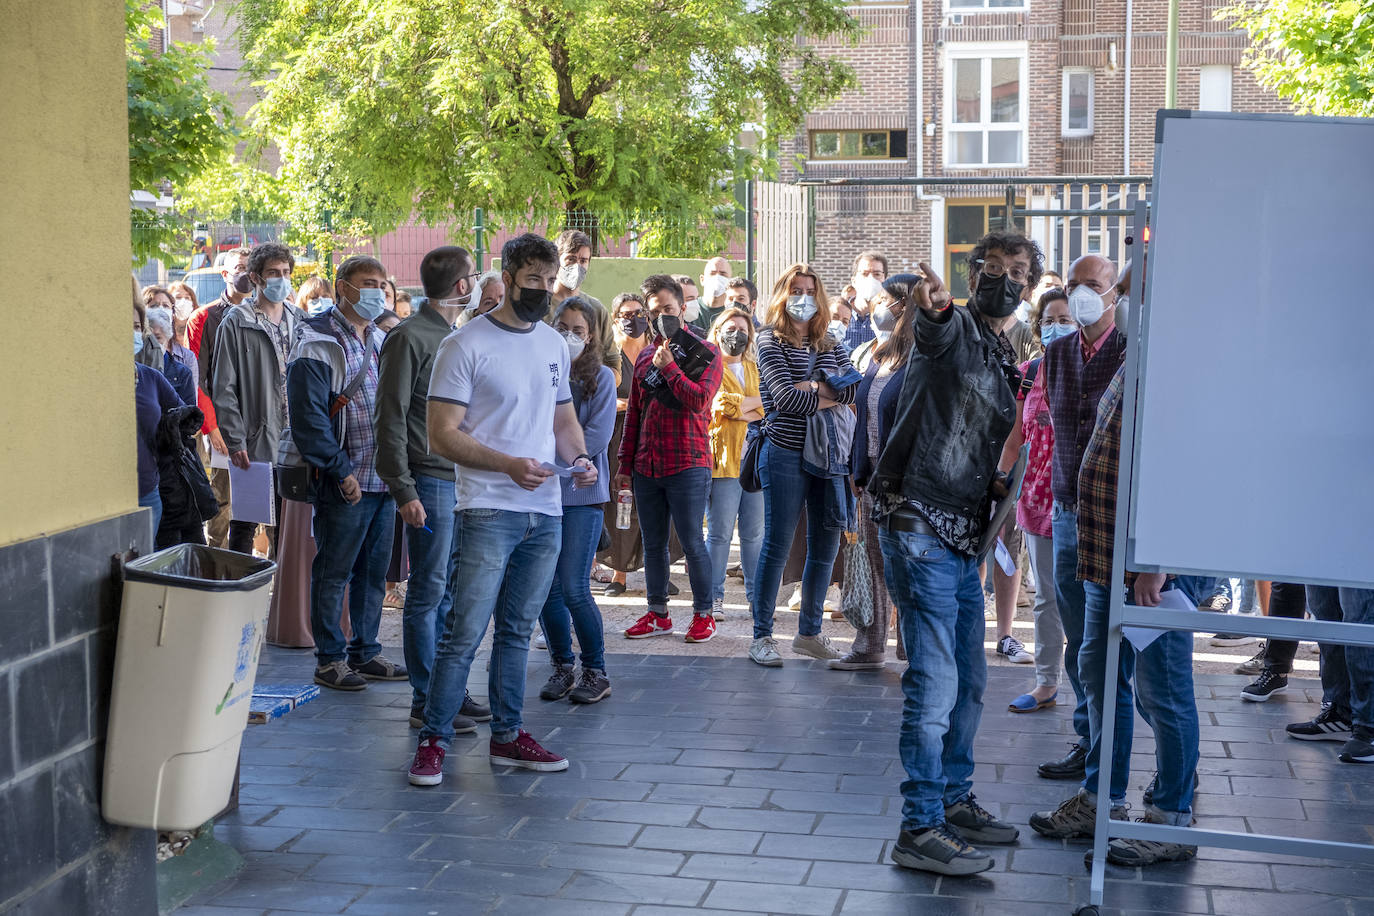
602	574
1027	703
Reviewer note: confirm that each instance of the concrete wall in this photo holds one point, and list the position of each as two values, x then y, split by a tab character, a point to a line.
67	413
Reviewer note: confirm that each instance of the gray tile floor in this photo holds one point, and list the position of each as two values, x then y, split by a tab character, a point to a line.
714	785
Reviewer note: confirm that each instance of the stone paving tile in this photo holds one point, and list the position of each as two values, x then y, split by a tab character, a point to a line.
748	790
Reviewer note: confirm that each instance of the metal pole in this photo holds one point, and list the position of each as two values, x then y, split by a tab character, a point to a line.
1007	223
479	228
1171	58
749	212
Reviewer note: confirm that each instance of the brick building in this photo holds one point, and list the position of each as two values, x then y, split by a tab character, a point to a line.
955	88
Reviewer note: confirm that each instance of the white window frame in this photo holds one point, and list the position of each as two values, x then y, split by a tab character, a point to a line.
1064	128
983	51
1230	72
950	9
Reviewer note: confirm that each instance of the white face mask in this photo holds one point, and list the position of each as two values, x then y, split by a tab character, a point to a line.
575	344
714	286
868	288
802	308
691	310
183	309
1122	305
572	275
1085	306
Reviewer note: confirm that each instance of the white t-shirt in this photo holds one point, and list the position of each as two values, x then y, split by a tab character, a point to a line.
510	381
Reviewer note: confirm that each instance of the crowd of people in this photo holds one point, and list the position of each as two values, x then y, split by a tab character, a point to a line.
495	441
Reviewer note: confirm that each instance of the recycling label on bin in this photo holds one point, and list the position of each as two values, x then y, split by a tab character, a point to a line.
250	643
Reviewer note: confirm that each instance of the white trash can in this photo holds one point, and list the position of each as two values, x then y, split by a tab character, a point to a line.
190	630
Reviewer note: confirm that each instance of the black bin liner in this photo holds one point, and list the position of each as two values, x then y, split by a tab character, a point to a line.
206	569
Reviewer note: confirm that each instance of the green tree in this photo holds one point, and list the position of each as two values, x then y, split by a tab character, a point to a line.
1318	55
178	126
531	108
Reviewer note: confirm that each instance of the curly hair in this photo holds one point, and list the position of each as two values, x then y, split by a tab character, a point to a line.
1009	243
266	253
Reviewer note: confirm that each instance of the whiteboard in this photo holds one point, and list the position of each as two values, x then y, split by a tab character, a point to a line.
1254	440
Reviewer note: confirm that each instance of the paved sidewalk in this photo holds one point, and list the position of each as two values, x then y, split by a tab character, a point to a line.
715	785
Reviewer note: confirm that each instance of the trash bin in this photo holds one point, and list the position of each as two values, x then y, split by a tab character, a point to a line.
190	630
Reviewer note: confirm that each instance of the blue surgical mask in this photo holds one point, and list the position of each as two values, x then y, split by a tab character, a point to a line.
276	289
371	303
1052	332
802	308
138	342
319	305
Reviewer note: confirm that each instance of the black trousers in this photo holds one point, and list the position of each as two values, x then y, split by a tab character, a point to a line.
1285	600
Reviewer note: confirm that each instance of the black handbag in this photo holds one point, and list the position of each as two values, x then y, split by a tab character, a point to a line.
749	480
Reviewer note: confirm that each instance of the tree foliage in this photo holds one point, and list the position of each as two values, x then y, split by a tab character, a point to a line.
1318	55
542	108
178	125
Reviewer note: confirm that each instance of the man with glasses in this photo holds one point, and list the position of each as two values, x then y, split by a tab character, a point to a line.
870	271
420	482
935	481
1075	372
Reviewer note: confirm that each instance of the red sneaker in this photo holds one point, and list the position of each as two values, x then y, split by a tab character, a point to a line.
703	628
525	752
650	625
428	766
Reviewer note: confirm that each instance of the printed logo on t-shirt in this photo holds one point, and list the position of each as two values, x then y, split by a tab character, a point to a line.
553	374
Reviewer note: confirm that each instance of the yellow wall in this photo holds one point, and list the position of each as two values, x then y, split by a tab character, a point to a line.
66	376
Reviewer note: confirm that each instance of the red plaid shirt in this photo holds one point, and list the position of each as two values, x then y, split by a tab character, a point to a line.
659	440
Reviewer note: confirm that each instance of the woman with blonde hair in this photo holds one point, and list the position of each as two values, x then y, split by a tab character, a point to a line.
797	360
314	296
737	404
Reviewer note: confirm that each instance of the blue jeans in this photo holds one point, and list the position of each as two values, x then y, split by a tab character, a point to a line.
352	551
503	564
680	497
153	500
1347	671
422	622
570	598
940	604
786	488
1163	675
729	503
1068	593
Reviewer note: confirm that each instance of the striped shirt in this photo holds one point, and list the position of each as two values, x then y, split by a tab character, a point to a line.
781	366
360	441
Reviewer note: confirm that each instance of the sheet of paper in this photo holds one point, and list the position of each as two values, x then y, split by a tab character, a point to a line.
1141	637
562	472
216	459
250	493
1004	558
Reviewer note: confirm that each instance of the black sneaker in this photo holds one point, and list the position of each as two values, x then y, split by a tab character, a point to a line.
940	850
380	668
1360	747
477	712
1070	766
1329	725
1148	796
1255	666
977	825
559	683
1232	639
1268	685
592	687
462	725
338	676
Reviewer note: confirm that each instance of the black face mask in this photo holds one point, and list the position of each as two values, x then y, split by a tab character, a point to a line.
997	297
666	326
530	304
734	342
635	327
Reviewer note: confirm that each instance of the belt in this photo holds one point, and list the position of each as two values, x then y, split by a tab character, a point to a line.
908	520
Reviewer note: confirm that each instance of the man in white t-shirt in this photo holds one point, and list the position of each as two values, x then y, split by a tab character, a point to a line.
500	408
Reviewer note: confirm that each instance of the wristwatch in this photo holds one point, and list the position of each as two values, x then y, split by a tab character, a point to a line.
815	385
590	459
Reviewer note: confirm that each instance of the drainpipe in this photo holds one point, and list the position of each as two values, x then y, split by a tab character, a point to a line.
1171	59
921	102
1126	161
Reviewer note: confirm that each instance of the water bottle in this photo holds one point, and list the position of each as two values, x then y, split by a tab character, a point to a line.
624	500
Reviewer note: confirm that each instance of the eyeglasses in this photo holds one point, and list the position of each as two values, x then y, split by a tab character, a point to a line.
996	269
1062	319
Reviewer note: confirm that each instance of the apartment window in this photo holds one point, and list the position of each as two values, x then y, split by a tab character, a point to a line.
1078	103
858	144
985	109
1214	88
959	6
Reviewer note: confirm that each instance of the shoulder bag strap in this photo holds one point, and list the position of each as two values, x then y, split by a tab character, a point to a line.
356	382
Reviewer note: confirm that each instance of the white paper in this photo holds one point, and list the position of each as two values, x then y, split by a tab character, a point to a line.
1141	637
563	472
250	493
217	460
1004	559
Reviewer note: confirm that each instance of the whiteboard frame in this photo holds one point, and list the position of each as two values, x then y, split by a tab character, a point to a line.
1138	343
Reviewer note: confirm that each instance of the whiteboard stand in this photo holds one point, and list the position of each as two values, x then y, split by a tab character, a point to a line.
1121	613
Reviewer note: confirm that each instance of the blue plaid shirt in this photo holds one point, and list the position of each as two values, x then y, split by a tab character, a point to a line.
360	442
860	331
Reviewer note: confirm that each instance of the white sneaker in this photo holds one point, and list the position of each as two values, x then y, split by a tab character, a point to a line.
540	642
817	646
794	603
1015	653
764	651
718	608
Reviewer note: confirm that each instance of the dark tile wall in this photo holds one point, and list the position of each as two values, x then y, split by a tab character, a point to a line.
59	606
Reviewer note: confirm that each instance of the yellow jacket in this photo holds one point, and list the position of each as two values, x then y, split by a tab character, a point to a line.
727	428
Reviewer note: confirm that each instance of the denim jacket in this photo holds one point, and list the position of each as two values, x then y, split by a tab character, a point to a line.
953	415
